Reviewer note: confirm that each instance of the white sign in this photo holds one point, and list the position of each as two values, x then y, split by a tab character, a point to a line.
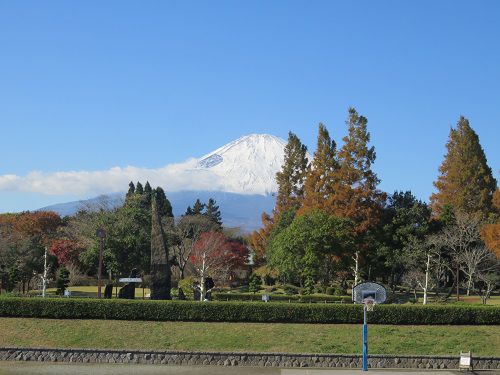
130	280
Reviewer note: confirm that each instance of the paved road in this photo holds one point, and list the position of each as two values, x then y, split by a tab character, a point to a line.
31	368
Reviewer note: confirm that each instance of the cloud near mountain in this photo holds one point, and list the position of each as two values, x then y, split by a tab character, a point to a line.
247	165
175	176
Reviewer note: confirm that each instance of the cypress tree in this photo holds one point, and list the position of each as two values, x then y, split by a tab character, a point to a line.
160	267
320	175
139	190
213	213
148	193
131	189
466	182
147	188
292	175
164	205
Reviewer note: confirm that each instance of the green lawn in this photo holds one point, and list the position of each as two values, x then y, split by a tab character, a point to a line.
291	338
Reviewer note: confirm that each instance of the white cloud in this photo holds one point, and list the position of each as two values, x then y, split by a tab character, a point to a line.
174	177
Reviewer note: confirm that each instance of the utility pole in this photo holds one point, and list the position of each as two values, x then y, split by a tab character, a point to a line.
101	234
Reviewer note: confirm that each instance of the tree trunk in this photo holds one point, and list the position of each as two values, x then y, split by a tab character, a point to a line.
469	285
202	279
427	271
356	268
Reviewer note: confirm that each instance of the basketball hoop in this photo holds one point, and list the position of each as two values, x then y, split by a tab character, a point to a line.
368	294
369	304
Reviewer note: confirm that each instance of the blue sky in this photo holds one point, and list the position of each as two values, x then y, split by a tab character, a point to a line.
87	86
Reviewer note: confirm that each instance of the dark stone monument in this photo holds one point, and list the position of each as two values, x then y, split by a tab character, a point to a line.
181	294
108	291
128	291
160	267
196	292
209	284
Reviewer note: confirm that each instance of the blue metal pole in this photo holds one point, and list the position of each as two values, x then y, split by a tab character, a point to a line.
365	341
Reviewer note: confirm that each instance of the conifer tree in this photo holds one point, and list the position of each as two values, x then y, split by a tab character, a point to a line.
320	175
160	265
131	189
292	175
198	207
355	191
139	190
496	200
259	239
356	196
466	182
189	211
148	192
164	205
213	213
147	188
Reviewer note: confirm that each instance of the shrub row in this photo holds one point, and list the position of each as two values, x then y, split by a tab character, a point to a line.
75	308
280	298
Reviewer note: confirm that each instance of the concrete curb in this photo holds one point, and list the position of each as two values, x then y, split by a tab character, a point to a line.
286	360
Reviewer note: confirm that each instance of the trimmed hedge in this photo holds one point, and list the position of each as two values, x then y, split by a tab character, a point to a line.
281	298
75	308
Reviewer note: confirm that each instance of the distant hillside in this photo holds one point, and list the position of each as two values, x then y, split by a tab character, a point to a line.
238	210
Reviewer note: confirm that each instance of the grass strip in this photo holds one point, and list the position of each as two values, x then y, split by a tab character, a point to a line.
249	337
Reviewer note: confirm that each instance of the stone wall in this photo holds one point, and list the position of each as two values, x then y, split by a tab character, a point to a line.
237	359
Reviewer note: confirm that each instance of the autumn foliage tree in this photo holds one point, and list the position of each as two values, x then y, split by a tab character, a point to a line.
215	256
67	251
291	178
318	186
355	194
466	183
23	238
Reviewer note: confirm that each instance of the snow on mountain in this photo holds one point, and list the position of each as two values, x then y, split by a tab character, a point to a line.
247	165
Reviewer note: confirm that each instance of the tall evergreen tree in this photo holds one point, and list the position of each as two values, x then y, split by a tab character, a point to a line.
213	213
356	196
147	188
164	205
321	173
139	190
292	175
189	211
355	190
198	207
405	220
466	182
160	265
131	189
148	194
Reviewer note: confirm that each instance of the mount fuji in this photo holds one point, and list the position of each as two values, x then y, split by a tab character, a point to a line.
240	176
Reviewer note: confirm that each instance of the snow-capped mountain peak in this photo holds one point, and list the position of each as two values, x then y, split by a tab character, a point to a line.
247	165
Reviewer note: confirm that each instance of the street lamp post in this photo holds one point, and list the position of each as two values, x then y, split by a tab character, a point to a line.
101	234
